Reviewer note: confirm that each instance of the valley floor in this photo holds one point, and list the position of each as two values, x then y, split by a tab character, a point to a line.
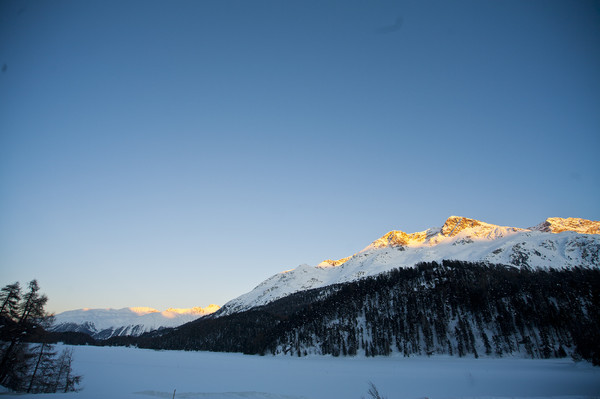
117	372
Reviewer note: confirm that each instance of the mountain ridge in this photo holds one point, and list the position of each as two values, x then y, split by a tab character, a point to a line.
106	323
558	225
558	242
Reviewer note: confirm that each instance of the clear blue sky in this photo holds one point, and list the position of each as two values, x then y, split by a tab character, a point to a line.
177	153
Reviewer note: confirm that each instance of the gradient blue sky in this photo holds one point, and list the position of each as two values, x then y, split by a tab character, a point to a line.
178	153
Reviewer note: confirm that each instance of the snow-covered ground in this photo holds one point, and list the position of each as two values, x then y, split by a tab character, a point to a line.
137	374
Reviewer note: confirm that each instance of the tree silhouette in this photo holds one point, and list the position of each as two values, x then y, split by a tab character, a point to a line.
28	360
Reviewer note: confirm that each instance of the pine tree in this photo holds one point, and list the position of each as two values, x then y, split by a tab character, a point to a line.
32	307
10	296
41	375
19	324
25	366
66	381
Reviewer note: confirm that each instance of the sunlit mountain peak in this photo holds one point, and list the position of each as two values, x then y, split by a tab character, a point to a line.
455	224
397	238
558	225
476	229
333	263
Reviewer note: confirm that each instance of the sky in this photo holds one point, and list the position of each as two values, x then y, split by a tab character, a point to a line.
178	153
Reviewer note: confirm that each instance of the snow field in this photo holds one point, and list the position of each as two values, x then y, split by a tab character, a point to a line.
117	372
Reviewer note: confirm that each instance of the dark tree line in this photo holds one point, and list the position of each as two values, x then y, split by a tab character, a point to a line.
453	307
456	308
28	360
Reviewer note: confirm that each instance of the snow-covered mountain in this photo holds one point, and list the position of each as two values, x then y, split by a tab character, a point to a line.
556	243
558	225
106	323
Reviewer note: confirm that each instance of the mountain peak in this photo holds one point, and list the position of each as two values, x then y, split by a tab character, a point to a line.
456	224
471	229
475	229
397	238
333	263
394	238
452	227
558	225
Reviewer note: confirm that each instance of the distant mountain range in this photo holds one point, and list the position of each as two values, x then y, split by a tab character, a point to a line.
134	321
556	243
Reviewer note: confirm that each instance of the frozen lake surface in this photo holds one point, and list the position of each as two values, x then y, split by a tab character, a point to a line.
135	373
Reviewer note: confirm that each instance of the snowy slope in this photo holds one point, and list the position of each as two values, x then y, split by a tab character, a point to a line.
554	243
105	323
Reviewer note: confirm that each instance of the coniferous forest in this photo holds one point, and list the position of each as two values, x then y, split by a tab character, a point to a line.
28	359
453	307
